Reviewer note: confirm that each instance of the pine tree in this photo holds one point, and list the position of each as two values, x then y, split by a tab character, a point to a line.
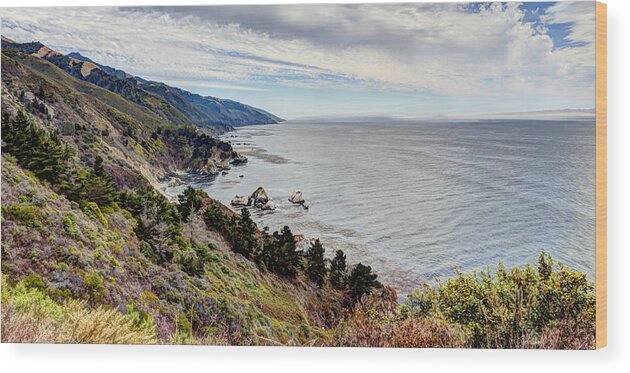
215	218
289	260
36	150
361	281
245	240
190	201
268	254
99	186
338	270
316	264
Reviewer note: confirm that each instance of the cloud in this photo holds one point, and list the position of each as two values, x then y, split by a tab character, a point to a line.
486	52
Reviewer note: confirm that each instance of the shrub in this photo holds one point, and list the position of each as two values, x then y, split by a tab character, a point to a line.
93	285
30	316
183	325
92	210
68	222
192	259
31	300
553	307
27	215
33	281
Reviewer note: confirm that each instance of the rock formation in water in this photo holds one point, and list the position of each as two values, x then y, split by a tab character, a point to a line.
238	159
240	201
259	197
298	199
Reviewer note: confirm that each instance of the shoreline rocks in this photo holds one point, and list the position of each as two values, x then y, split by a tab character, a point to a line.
224	165
238	159
209	168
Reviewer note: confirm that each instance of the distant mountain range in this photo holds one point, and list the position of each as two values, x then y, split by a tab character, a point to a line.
173	104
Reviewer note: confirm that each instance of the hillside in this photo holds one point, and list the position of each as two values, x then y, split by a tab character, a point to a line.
169	103
92	252
83	221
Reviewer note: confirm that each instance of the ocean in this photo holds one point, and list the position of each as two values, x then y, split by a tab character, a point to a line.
417	200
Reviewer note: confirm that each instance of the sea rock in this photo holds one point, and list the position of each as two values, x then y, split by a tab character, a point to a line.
241	175
239	159
269	206
259	197
296	197
224	173
240	201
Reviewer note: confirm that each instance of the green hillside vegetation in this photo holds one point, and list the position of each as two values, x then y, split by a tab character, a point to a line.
135	144
92	252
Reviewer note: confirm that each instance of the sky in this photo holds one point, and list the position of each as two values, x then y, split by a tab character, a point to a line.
296	61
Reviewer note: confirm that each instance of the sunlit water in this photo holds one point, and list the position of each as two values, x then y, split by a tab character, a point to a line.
415	200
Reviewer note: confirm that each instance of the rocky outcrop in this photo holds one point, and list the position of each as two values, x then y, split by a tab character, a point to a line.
259	198
240	201
297	198
209	168
224	165
238	159
29	98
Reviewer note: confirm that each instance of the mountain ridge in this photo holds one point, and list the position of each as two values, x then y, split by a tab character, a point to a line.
171	103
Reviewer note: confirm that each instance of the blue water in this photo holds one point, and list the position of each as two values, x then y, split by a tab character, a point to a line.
415	200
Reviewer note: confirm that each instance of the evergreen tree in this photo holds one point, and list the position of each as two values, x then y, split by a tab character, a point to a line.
99	186
289	257
245	240
338	270
215	218
361	281
190	201
315	263
36	150
157	222
268	254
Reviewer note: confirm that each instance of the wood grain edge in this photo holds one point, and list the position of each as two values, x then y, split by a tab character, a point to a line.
601	334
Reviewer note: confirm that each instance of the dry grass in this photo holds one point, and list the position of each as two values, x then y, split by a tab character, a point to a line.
30	316
25	327
427	333
102	326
